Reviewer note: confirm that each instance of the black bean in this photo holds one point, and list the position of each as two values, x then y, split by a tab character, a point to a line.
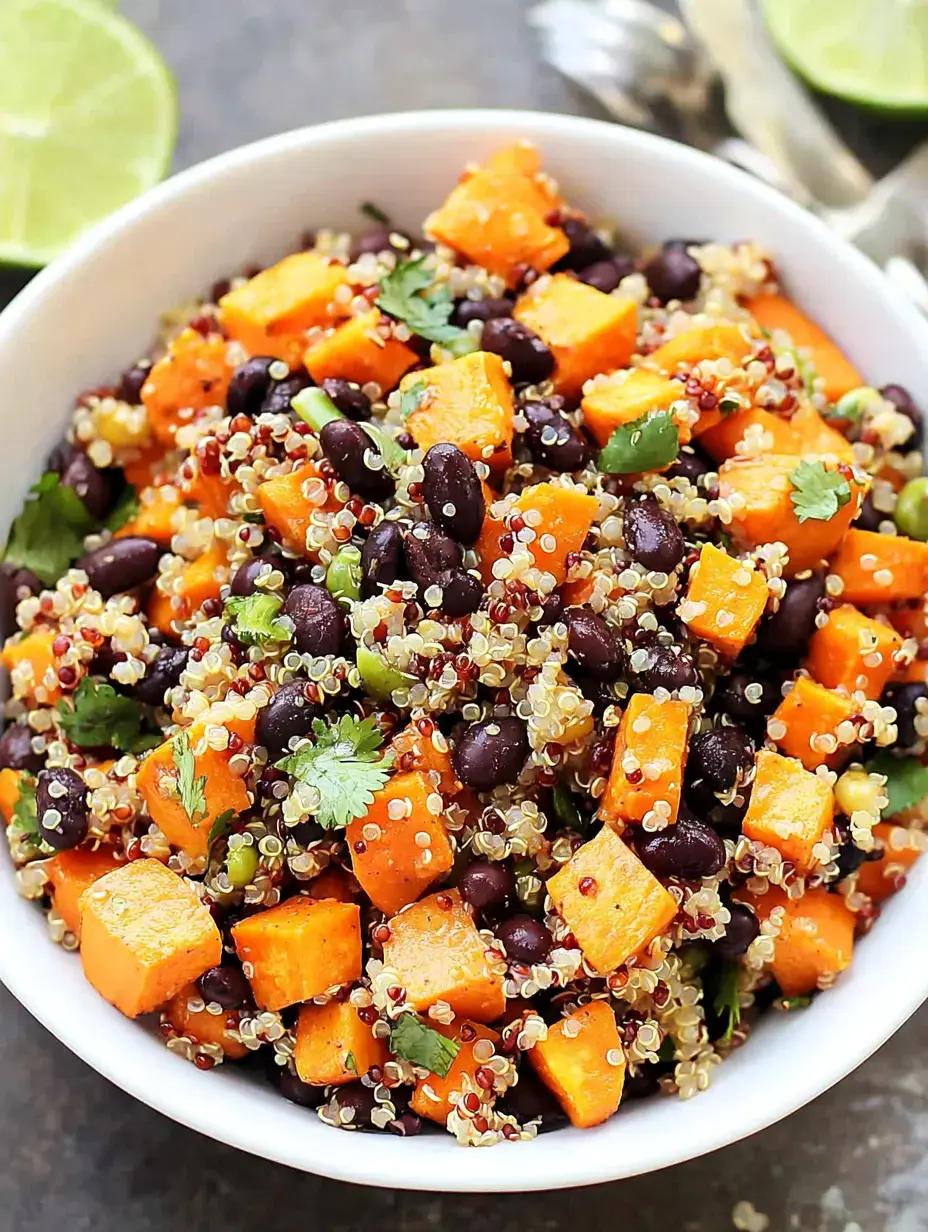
163	673
467	310
593	645
688	849
381	558
552	440
668	668
530	1100
130	384
357	1100
732	697
553	609
346	445
653	536
250	384
529	357
62	808
869	517
90	484
15	585
586	248
904	699
375	242
317	620
690	464
288	715
348	397
16	751
903	401
429	552
600	692
644	1083
850	858
244	581
526	940
227	986
461	592
490	753
121	565
718	760
740	931
673	273
282	392
406	1125
606	275
789	630
291	1086
486	883
452	492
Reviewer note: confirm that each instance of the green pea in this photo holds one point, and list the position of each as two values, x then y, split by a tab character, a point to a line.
377	676
315	407
241	865
343	576
855	402
912	509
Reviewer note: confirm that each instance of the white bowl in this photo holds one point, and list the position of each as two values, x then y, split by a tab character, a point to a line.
81	321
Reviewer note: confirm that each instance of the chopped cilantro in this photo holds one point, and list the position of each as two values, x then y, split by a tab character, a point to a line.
220	828
565	810
667	1049
372	211
796	1003
428	315
125	509
345	766
25	816
817	493
254	619
97	715
394	455
411	398
647	444
191	787
906	781
350	1062
725	1001
48	536
413	1040
852	406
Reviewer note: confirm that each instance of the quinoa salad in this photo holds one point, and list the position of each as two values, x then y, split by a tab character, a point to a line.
468	678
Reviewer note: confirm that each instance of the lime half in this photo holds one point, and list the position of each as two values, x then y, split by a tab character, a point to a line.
88	119
873	52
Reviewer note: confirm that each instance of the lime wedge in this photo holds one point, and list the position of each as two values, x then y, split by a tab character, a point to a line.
88	119
873	52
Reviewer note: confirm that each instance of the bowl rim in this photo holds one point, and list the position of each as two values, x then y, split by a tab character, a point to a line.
454	1171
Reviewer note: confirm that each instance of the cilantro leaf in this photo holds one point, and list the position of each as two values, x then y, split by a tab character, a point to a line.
350	1062
125	509
426	315
667	1050
817	493
25	815
254	618
725	1002
394	455
413	1040
220	827
565	810
373	211
411	398
191	788
647	444
97	715
796	1003
48	536
906	781
344	765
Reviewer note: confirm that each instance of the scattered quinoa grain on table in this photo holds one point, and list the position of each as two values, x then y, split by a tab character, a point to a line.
474	674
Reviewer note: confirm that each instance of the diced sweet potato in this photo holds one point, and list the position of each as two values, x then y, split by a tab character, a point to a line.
724	601
209	493
610	902
290	502
853	652
144	935
817	439
333	1045
163	615
763	511
145	465
582	1062
9	792
816	940
809	718
879	568
900	848
434	1097
467	402
194	374
438	955
790	808
588	331
496	217
775	312
564	515
411	850
772	432
203	1027
334	882
299	949
703	342
154	519
33	671
647	765
427	752
625	397
361	350
204	577
70	873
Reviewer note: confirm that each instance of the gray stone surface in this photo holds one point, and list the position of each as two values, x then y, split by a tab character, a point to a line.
77	1154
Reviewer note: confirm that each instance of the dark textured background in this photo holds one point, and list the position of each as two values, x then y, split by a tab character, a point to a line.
75	1153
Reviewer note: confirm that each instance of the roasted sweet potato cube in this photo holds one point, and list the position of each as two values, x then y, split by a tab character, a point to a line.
201	1026
429	753
647	765
9	792
195	373
334	882
334	1046
400	845
853	652
561	518
724	601
467	402
816	939
818	440
290	503
790	808
144	935
775	313
747	433
31	663
624	909
435	1097
702	342
878	568
438	955
70	873
299	949
588	331
155	518
582	1062
361	350
625	397
808	724
899	849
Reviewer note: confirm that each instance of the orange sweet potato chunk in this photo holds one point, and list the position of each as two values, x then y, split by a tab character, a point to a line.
334	882
9	792
290	501
70	873
154	519
899	848
566	515
299	949
775	312
583	1064
434	1097
647	765
854	653
361	350
467	402
623	911
144	935
816	940
203	1027
588	331
809	717
878	568
429	753
625	397
411	850
817	439
703	342
194	374
725	599
722	440
790	808
31	663
333	1045
438	955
